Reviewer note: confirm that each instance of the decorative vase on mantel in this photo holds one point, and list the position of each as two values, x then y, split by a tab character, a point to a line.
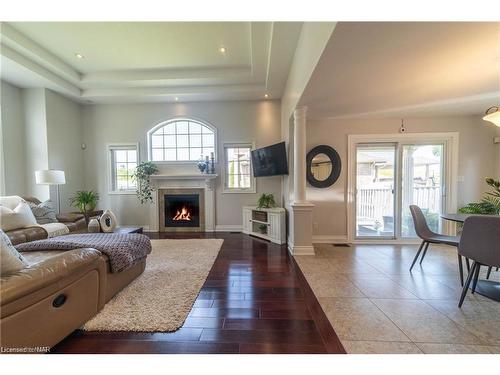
202	165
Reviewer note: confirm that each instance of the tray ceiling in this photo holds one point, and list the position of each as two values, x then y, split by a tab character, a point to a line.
150	61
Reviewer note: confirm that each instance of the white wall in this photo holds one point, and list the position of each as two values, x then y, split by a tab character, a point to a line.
478	159
37	157
64	137
40	130
236	121
13	145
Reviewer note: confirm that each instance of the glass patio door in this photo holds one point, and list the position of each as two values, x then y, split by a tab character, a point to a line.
389	178
422	185
375	190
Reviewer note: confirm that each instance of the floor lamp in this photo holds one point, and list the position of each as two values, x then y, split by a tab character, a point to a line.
51	177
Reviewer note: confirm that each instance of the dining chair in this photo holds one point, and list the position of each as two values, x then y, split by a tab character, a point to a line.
479	242
488	273
428	236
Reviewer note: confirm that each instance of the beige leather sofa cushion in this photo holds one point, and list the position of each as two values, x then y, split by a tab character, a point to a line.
47	272
41	324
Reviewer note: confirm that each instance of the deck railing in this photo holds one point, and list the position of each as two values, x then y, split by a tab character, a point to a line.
374	203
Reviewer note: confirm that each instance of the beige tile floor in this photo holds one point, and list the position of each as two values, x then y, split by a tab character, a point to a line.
376	306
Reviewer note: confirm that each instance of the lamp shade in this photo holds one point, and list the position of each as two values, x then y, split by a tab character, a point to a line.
50	177
493	115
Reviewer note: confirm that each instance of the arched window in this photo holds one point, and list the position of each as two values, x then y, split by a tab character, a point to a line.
181	139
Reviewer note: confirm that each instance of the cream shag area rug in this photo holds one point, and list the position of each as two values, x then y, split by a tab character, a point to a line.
160	299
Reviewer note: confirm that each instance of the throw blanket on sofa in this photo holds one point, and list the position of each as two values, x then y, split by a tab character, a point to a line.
123	250
55	229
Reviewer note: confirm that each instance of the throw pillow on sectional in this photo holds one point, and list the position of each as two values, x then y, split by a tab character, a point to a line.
44	212
11	260
19	217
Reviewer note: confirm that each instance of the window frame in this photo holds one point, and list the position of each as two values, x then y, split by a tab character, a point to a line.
178	119
224	171
110	147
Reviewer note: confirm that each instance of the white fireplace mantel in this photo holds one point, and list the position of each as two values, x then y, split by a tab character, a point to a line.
198	176
184	181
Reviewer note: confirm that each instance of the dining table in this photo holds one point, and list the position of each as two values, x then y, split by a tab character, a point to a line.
487	288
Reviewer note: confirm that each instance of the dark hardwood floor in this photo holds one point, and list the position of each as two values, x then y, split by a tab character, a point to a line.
255	300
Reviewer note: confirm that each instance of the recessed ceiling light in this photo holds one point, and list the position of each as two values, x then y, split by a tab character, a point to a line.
79	56
222	49
266	95
176	98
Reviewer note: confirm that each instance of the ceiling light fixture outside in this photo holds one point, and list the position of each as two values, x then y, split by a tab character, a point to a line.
223	49
492	115
79	56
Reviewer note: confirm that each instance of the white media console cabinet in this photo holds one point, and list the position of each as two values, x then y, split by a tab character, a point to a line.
265	223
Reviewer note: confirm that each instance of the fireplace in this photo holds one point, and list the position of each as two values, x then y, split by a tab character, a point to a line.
181	210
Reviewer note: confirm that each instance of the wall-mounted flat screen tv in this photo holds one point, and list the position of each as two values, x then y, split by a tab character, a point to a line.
270	160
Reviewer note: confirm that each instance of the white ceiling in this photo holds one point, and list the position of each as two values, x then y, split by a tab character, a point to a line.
406	69
150	61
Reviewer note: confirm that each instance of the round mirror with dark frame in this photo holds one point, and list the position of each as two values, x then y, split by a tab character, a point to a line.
323	166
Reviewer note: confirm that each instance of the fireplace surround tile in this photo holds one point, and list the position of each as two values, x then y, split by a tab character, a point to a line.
170	227
205	182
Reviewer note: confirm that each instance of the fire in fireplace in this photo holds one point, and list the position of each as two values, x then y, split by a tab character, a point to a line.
182	210
183	214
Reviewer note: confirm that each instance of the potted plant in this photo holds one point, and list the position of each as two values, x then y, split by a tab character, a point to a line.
142	174
266	201
85	202
262	228
489	205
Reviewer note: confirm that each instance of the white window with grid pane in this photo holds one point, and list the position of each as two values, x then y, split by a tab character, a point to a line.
122	163
181	140
238	174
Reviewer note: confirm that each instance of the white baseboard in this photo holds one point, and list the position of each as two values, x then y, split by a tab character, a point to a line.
228	228
387	242
218	228
329	239
334	239
300	250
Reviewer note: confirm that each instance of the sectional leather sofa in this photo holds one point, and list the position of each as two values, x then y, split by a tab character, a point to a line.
43	303
74	222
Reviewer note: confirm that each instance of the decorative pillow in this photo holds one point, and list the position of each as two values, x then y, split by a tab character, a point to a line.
10	259
44	212
19	217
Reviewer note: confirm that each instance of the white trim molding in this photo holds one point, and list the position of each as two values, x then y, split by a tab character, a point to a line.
329	239
175	119
450	140
253	183
300	250
116	146
228	228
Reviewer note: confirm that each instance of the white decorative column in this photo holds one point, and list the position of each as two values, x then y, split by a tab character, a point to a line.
301	215
299	155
